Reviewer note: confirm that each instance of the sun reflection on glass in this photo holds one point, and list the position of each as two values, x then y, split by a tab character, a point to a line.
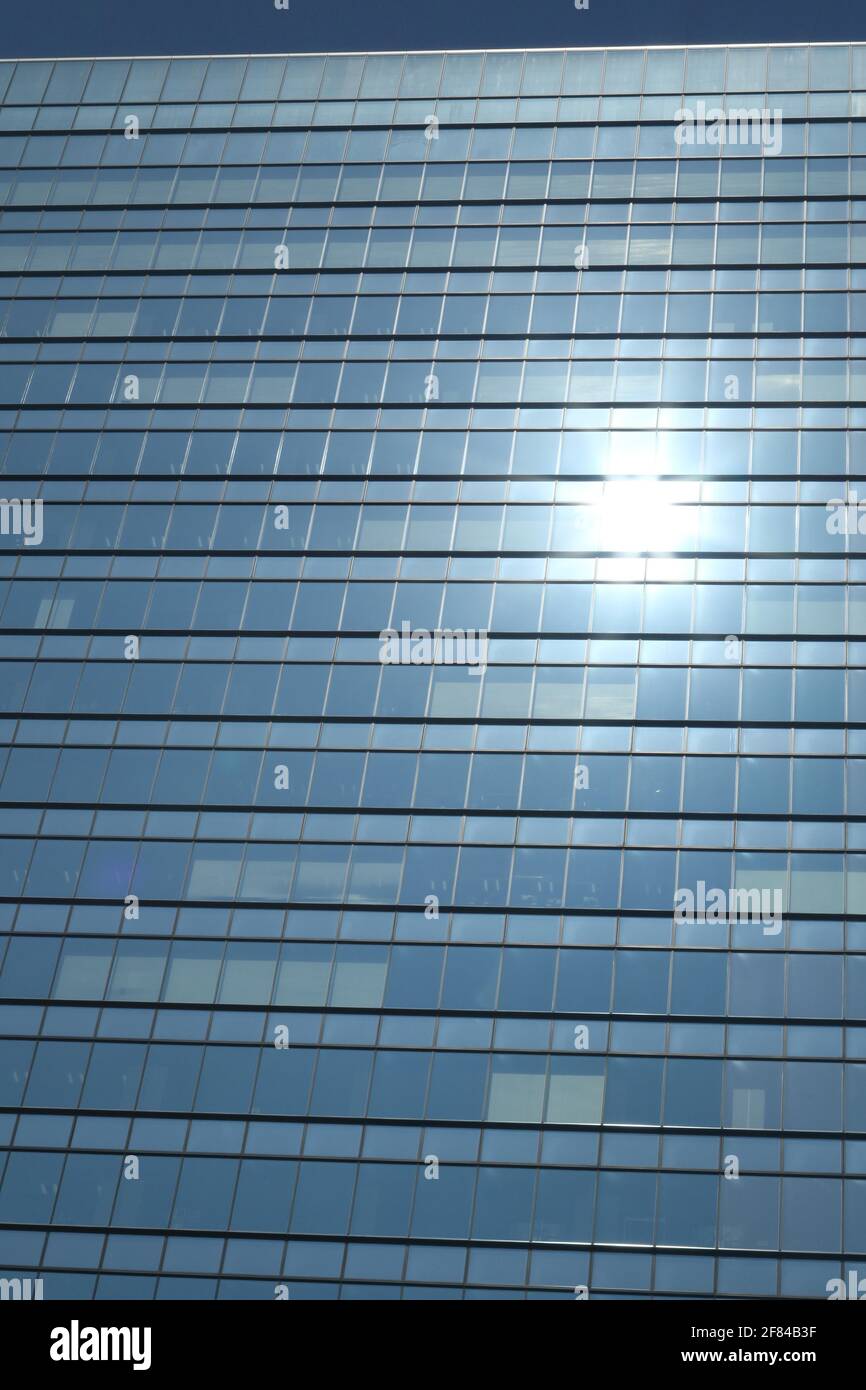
636	514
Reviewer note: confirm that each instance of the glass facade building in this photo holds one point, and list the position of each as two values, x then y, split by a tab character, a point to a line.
433	699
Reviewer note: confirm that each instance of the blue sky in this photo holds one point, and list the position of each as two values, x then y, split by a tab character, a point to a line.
94	27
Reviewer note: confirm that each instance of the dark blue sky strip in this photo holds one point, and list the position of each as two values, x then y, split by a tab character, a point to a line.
96	27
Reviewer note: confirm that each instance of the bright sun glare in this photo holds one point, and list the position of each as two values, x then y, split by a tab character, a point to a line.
637	514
